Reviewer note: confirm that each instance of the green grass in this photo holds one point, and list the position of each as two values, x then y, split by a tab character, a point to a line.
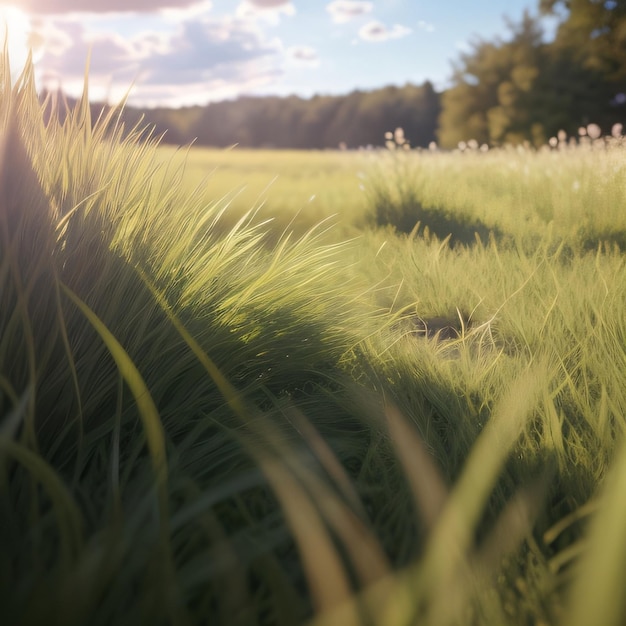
209	417
296	190
572	194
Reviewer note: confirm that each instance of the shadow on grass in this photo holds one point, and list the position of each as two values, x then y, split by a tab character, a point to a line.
457	229
607	241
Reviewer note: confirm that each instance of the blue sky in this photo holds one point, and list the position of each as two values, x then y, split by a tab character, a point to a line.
184	52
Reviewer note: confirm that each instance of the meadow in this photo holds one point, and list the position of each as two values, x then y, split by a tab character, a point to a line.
335	388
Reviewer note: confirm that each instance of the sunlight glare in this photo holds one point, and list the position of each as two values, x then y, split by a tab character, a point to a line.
16	27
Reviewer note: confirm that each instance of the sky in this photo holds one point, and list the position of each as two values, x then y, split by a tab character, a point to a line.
187	52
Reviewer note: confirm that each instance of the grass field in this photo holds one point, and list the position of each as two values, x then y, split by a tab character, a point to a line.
400	401
297	190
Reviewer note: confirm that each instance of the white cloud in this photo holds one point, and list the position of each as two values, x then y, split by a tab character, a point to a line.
46	38
304	55
427	26
210	49
193	11
269	4
60	7
377	31
247	78
268	11
195	61
346	10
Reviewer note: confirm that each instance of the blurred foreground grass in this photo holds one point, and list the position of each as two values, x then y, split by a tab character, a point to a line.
208	418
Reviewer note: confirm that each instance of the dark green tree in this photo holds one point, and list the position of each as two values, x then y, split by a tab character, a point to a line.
590	50
493	91
595	32
527	89
356	119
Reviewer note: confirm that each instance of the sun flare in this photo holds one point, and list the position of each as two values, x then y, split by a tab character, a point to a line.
15	33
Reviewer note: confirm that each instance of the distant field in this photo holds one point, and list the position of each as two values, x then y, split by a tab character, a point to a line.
307	186
573	194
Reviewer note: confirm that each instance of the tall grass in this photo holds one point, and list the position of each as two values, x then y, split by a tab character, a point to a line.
208	421
573	191
118	289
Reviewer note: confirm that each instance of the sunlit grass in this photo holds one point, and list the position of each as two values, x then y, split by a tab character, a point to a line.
295	189
572	194
209	417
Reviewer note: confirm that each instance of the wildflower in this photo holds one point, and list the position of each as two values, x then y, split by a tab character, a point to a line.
432	146
462	146
562	135
553	141
616	130
582	131
396	140
472	144
594	131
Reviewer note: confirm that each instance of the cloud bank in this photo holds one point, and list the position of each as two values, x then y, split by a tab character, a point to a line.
221	56
60	7
269	4
178	52
269	11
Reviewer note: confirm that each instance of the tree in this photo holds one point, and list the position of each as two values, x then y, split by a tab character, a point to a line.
595	31
591	39
358	119
529	89
493	91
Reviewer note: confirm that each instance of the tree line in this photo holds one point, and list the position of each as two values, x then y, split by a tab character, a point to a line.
356	119
509	90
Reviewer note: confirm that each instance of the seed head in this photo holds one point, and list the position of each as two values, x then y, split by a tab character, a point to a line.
594	131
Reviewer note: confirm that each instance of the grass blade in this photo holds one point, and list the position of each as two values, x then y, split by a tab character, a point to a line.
148	411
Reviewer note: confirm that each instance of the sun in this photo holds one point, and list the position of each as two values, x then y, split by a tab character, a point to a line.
15	33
